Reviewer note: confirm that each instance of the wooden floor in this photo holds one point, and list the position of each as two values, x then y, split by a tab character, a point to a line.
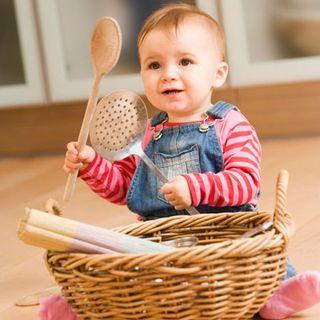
29	182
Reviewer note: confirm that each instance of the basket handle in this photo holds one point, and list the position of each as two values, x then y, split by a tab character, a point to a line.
283	221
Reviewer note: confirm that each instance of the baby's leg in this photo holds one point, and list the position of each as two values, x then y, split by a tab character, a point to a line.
55	307
291	270
295	294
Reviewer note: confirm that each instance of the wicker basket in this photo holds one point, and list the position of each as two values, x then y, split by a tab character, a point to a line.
224	277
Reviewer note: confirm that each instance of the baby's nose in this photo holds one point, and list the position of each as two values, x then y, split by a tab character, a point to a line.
170	73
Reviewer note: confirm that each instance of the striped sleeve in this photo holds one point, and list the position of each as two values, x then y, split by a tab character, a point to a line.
238	183
110	180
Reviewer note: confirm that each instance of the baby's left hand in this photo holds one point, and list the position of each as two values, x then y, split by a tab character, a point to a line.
177	193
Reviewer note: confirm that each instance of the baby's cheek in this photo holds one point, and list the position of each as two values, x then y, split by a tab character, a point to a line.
149	91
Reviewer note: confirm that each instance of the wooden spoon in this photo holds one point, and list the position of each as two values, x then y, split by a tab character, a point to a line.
105	47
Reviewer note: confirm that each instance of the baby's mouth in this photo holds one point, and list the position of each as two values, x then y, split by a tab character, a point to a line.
172	91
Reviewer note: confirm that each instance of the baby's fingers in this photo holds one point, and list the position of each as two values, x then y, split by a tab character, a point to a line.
166	188
73	164
170	197
71	157
179	207
70	167
72	147
67	169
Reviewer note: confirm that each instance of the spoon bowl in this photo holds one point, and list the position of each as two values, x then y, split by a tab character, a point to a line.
105	45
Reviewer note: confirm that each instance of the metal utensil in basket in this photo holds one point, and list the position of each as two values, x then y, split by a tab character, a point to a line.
223	277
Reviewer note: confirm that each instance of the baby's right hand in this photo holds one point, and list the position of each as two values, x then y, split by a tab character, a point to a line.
74	160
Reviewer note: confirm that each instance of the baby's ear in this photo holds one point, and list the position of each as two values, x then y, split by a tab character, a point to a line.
221	74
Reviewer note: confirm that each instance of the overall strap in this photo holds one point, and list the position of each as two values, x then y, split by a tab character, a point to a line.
158	118
220	109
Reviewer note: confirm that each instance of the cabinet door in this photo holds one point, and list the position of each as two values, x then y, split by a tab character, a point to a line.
272	41
20	68
66	28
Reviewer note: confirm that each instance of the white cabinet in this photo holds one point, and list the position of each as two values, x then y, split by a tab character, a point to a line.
66	28
21	79
44	47
272	41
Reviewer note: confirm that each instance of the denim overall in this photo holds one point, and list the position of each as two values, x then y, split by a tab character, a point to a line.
180	149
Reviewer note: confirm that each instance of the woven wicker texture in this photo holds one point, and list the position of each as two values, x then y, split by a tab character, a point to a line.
223	277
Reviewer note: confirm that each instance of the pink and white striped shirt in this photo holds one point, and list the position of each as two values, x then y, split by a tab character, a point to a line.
237	184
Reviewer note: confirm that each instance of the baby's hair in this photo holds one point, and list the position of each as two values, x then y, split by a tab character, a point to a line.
171	16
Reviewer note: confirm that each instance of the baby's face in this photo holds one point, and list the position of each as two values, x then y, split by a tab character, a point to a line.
179	70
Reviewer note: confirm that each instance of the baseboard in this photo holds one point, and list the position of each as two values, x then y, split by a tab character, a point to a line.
286	110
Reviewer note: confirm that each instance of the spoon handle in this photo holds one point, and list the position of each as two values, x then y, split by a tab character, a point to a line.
164	179
83	135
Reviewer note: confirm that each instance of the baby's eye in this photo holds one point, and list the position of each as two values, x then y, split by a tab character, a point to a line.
185	62
154	65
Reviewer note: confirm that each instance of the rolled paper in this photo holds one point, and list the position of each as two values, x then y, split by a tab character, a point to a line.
64	234
54	241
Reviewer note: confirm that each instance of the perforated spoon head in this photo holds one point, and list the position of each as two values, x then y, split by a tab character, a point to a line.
118	125
105	45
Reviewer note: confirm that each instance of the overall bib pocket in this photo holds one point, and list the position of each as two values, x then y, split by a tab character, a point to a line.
173	165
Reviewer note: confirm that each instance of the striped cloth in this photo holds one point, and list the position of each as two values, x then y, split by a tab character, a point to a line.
237	184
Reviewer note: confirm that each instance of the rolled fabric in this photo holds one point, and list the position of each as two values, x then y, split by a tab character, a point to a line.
53	232
39	237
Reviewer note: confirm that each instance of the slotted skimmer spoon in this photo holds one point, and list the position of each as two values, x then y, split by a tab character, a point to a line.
105	50
118	127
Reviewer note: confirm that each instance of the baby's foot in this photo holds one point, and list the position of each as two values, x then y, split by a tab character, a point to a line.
55	307
295	294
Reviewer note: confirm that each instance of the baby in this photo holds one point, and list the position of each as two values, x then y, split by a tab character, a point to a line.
210	153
